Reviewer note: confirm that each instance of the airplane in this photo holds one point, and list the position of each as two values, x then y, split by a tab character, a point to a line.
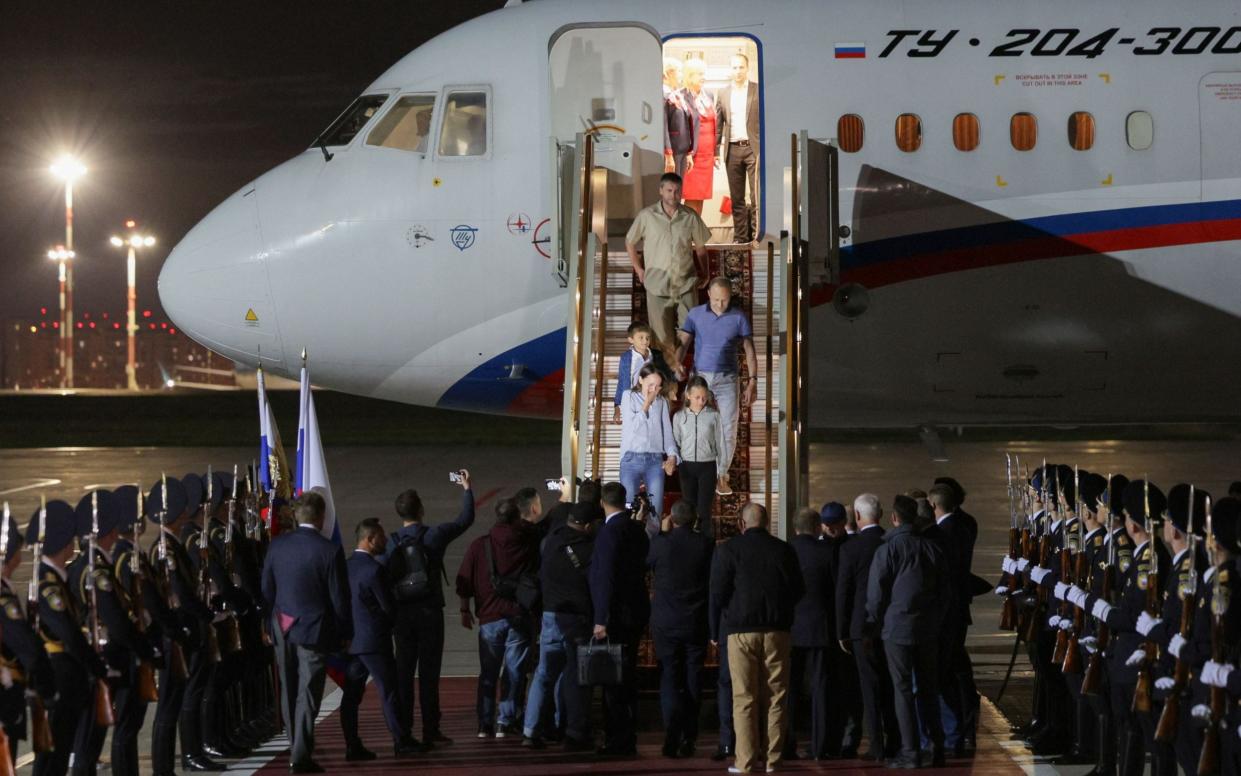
1042	202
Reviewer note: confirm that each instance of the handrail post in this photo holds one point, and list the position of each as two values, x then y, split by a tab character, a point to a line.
599	347
769	377
571	444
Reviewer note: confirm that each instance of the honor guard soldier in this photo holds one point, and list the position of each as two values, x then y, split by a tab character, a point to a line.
169	505
1217	631
1051	737
259	718
75	665
24	666
150	615
104	611
1142	502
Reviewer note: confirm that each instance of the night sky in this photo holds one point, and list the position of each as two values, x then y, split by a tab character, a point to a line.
172	106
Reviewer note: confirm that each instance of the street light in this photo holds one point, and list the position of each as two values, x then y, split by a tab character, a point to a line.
132	243
63	257
67	169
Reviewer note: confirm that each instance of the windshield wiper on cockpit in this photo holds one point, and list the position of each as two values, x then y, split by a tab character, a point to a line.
322	146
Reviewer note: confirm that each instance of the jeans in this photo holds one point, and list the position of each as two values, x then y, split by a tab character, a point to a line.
645	468
725	387
558	665
502	645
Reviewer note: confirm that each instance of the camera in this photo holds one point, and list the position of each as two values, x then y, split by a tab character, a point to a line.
554	485
456	478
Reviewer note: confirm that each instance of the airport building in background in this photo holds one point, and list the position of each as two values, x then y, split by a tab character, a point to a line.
29	357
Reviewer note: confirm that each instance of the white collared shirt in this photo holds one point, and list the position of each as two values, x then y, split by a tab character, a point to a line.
612	515
868	527
737	113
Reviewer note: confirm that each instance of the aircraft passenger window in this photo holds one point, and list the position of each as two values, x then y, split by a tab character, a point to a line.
407	126
1081	131
346	128
908	132
1023	131
1140	130
850	133
464	132
965	131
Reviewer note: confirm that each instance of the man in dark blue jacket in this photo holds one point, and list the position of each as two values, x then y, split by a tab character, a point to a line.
852	579
622	608
681	562
910	588
306	587
370	595
419	625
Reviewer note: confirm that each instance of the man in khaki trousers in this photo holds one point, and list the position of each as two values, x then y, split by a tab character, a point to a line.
756	582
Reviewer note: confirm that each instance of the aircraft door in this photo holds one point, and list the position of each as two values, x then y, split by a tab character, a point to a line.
605	82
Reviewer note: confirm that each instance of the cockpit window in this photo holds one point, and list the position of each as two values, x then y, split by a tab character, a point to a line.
407	126
345	129
464	131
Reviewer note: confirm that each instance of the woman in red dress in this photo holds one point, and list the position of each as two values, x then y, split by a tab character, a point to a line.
697	185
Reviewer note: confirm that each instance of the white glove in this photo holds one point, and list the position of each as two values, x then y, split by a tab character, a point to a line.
1053	621
1090	644
1146	623
1060	591
113	673
1136	659
1165	683
1201	712
1022	565
1001	590
1038	574
1101	610
1177	643
1008	566
1078	596
1215	674
1066	623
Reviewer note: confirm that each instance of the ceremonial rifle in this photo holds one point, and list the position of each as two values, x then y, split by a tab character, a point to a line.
204	572
1044	557
40	729
1066	573
1142	691
1072	657
145	678
168	564
105	716
1092	682
1208	760
1008	614
1165	731
230	632
6	757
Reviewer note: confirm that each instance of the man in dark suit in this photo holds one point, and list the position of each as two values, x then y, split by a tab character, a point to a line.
680	121
622	608
956	682
419	625
680	559
908	593
812	635
306	587
370	596
737	118
851	628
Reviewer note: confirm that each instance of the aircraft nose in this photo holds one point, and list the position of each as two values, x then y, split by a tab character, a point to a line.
214	284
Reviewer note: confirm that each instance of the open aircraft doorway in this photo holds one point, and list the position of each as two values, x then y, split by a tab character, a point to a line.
714	83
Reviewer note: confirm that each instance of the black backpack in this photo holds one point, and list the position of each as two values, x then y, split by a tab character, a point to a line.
412	572
521	587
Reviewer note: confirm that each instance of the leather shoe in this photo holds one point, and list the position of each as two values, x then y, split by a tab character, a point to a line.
722	753
310	766
359	753
686	749
406	747
197	763
436	737
533	742
901	763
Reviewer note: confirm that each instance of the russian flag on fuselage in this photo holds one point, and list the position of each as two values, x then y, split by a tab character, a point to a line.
311	466
850	50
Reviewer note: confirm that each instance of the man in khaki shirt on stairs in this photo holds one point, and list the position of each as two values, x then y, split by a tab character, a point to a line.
674	261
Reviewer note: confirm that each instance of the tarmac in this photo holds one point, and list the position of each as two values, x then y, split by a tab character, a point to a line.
365	481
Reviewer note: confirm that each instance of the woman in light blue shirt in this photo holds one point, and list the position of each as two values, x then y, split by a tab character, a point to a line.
648	446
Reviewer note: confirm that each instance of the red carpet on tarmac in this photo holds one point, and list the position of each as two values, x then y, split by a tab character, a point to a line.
471	755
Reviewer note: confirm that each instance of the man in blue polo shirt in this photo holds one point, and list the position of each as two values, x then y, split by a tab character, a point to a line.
714	330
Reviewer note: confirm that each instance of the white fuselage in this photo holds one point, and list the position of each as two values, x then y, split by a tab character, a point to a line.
1048	286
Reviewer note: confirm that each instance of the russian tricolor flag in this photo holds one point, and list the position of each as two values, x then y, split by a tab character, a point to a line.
273	471
851	51
311	465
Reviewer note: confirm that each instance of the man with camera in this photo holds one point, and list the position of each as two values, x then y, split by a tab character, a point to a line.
416	569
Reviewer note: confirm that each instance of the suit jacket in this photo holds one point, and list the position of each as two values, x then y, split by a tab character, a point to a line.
722	102
681	562
618	574
814	618
960	531
852	577
370	595
304	577
680	122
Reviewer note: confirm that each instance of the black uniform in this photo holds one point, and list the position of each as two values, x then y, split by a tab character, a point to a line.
25	661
